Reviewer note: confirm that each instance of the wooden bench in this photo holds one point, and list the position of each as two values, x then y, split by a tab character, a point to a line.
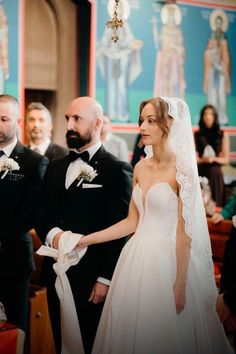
219	234
40	332
38	260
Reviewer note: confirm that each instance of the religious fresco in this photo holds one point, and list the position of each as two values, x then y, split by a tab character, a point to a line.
170	57
10	47
182	49
217	63
119	63
4	57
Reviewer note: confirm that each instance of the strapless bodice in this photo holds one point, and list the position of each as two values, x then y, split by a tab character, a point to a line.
158	209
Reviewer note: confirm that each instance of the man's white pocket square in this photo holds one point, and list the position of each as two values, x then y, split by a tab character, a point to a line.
90	185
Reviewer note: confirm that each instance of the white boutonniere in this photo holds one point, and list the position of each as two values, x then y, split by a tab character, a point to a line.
86	173
7	164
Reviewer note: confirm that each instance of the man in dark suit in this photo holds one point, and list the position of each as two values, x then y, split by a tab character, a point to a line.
21	171
83	209
39	129
226	301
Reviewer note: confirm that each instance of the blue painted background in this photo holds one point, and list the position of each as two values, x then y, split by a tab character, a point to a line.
11	8
196	32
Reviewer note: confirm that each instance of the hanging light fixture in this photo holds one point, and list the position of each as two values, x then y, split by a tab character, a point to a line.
115	23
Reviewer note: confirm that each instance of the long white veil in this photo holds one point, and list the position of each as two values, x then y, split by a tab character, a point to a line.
182	143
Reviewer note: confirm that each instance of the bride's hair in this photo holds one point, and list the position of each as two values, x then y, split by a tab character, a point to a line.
161	110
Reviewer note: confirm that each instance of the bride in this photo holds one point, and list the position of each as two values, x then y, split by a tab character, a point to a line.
162	295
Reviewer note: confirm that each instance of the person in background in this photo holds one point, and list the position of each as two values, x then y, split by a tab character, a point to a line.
39	129
112	143
21	173
139	152
212	148
227	212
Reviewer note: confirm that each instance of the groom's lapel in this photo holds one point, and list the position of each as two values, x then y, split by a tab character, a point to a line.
97	160
60	178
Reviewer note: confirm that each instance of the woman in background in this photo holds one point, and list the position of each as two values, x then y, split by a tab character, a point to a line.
212	147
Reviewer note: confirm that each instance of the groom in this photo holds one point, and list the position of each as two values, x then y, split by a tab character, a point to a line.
89	207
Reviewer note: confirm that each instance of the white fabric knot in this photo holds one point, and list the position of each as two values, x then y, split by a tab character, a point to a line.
66	256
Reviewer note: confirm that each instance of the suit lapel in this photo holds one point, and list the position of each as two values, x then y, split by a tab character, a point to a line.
98	158
17	151
61	174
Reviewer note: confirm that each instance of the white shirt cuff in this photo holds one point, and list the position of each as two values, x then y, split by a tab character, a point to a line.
50	236
103	281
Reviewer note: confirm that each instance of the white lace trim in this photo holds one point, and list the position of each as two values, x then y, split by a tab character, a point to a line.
187	176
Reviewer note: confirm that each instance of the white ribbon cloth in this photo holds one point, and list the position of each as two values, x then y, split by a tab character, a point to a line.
66	256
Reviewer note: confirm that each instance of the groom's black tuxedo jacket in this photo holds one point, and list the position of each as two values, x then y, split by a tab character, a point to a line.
86	210
18	195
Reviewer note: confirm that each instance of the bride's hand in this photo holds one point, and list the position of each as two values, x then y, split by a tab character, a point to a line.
179	295
82	243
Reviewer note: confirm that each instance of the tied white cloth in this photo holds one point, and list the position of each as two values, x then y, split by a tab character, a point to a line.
66	256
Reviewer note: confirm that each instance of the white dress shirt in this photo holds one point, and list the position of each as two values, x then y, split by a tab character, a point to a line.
73	168
9	148
42	148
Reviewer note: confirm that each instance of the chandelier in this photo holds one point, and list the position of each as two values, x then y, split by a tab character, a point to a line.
115	23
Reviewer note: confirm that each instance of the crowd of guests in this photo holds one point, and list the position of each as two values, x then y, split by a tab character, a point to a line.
28	181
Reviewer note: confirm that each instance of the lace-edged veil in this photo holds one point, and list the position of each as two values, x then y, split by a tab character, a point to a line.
181	138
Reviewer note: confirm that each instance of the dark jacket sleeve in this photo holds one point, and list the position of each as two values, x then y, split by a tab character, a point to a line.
117	209
23	221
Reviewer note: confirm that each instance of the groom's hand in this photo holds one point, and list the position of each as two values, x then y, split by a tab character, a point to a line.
56	239
98	293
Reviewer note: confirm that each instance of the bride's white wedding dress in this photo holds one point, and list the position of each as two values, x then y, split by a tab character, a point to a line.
139	315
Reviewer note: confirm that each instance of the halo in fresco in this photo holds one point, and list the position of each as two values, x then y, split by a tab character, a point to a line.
124	13
222	14
165	13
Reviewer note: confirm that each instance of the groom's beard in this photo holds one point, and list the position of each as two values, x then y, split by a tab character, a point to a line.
76	141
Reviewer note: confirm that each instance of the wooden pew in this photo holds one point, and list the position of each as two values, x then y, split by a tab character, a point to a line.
35	276
40	332
219	234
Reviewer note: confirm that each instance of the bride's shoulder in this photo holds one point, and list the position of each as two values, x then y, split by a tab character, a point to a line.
140	165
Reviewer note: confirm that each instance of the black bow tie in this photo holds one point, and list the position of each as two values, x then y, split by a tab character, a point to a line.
74	156
1	153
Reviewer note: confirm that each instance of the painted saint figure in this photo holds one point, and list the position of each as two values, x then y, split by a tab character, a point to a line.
4	64
119	64
169	76
217	81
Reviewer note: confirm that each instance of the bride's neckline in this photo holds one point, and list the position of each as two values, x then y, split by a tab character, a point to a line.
152	186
